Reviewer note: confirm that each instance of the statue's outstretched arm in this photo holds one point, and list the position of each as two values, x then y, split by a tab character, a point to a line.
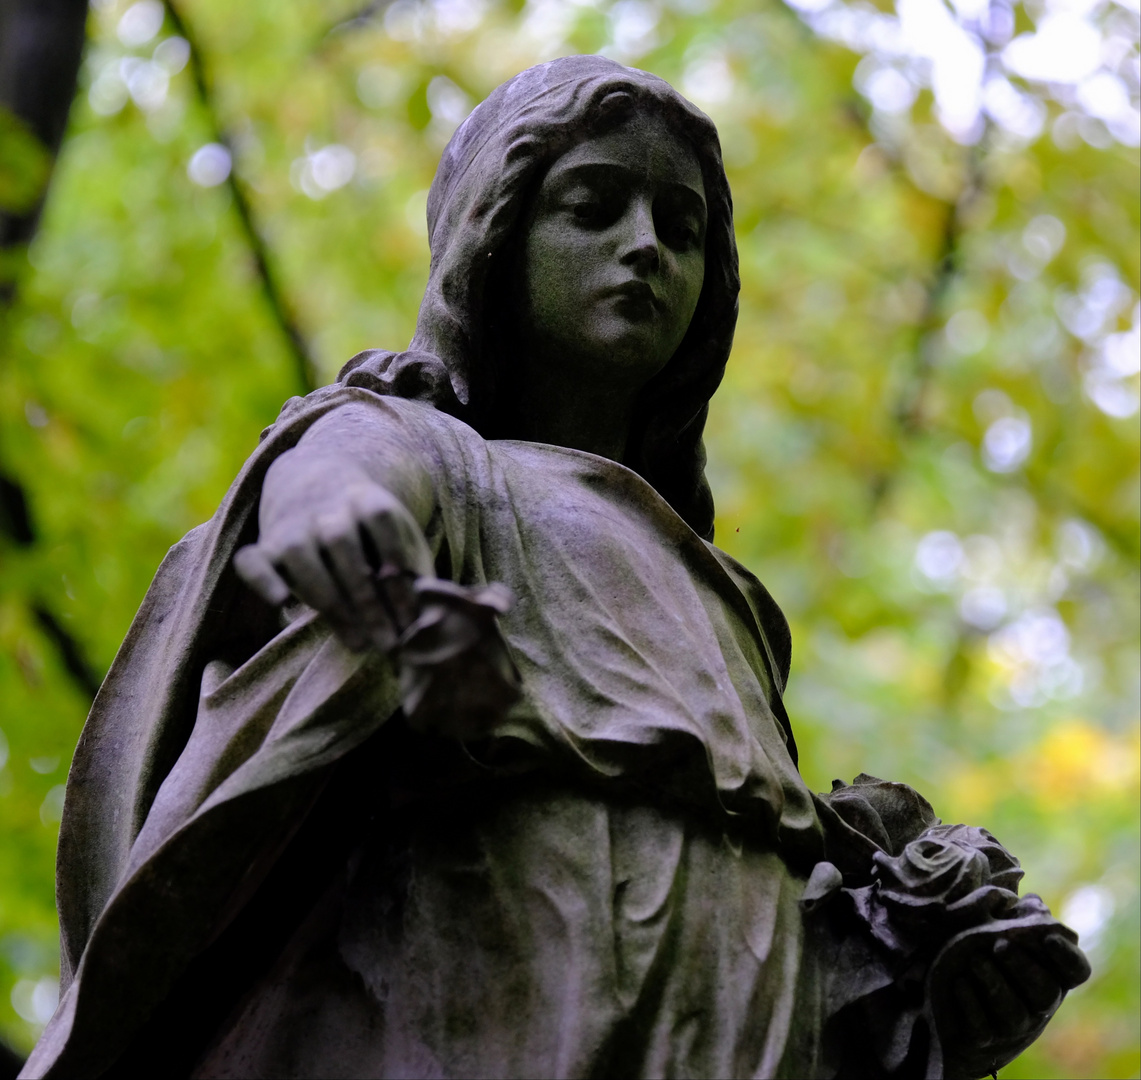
341	528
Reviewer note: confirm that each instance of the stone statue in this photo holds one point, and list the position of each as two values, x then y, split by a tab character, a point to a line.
451	746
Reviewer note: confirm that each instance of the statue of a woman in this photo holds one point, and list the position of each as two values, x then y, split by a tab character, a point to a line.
451	746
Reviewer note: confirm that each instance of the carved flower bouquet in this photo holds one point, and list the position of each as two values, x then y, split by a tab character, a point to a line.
936	966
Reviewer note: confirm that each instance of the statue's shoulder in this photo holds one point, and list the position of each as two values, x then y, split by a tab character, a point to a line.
766	611
353	403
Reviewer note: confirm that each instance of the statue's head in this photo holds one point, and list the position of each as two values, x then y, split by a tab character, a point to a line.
608	262
539	219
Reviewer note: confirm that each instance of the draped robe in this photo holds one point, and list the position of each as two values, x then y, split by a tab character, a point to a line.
620	858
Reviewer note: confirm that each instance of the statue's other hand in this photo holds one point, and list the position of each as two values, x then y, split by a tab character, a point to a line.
353	556
1001	990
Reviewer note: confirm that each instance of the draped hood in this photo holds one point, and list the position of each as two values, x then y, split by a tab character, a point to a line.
488	171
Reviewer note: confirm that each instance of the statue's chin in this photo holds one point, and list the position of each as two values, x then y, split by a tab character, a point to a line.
623	352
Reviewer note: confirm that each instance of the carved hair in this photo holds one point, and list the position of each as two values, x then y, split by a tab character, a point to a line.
486	175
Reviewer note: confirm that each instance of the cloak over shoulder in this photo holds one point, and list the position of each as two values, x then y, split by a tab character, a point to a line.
140	839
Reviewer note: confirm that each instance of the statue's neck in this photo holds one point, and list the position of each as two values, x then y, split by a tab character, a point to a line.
573	412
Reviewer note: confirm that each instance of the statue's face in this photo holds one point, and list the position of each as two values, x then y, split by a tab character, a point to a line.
613	258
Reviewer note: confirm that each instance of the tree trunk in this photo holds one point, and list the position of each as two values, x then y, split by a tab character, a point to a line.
41	44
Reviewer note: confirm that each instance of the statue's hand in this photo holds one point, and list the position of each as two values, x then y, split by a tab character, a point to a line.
993	992
353	555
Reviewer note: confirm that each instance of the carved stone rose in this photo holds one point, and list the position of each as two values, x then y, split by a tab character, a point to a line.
938	875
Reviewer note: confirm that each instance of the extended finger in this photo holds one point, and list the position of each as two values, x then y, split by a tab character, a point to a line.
1070	961
1036	983
974	1019
1008	1011
341	542
394	534
400	554
255	569
397	590
302	566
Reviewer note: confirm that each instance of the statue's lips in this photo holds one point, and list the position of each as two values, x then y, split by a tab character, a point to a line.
637	296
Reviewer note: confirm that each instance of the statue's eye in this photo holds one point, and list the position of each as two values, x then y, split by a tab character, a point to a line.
680	234
680	223
593	205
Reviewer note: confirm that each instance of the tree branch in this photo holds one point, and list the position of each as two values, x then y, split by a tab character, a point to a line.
41	45
908	410
359	21
10	1062
271	287
70	651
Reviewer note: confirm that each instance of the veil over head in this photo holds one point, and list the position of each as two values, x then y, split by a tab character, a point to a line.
488	171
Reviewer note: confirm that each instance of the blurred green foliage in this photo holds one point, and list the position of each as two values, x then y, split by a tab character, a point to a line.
24	165
926	446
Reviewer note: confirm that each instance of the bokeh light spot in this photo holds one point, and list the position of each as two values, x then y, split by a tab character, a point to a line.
210	165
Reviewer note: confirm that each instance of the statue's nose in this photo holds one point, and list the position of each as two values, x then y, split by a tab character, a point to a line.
642	250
